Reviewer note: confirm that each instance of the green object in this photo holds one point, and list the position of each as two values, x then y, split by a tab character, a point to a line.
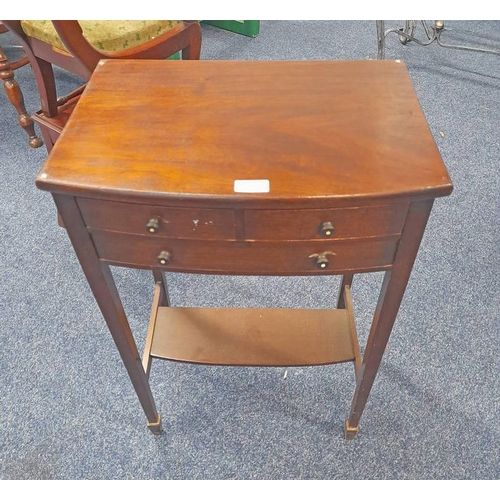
175	56
248	28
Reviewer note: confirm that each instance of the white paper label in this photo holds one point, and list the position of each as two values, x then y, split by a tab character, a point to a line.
251	186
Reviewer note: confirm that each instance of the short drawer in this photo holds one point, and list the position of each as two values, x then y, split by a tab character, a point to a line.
359	222
244	257
157	221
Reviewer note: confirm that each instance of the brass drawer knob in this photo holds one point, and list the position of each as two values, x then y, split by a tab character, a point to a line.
326	229
153	226
164	258
321	259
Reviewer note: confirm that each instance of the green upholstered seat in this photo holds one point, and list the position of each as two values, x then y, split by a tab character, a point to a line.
103	35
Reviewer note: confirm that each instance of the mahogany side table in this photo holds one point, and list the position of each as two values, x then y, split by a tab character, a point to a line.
248	168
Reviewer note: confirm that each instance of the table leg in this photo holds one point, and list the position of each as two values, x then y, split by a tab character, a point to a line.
390	297
159	277
104	289
16	98
346	281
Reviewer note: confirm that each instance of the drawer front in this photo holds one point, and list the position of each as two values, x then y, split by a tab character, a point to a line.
339	223
244	257
129	218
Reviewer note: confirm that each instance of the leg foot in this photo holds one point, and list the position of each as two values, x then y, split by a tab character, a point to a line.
350	432
155	427
34	142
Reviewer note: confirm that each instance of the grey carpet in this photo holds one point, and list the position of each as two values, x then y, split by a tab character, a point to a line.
67	408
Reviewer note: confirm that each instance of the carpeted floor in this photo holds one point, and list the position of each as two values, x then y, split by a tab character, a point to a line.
68	410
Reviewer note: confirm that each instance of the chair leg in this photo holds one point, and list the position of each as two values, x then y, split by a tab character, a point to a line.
44	77
49	137
193	50
16	98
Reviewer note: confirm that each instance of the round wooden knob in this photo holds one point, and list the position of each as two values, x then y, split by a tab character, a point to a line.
321	259
153	226
322	262
164	258
326	229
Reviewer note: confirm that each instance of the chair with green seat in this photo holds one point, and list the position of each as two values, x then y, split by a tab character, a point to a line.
77	46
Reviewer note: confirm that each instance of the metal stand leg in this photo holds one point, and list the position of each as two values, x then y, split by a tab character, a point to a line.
432	34
380	39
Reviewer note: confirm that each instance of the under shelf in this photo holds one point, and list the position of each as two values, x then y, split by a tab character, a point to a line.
252	337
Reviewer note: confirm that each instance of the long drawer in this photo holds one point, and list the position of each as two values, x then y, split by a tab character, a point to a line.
308	257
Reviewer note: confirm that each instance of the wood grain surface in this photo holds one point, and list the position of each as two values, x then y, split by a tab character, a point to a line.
187	130
252	337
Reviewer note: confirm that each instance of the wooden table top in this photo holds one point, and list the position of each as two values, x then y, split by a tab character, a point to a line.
187	130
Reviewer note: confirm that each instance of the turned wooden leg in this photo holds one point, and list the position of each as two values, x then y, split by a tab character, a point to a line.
104	289
15	96
391	294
